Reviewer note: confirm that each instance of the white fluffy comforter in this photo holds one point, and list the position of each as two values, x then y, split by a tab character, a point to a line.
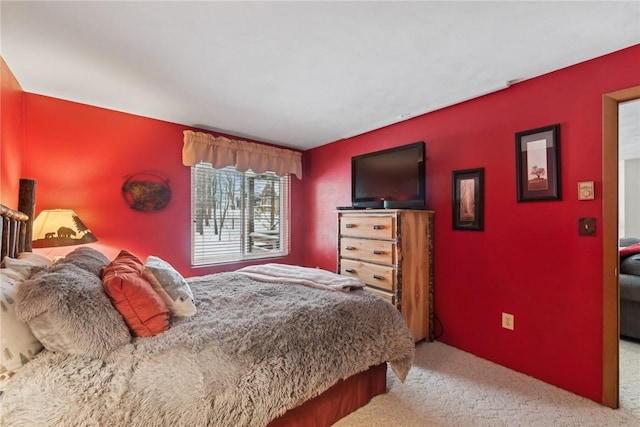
252	351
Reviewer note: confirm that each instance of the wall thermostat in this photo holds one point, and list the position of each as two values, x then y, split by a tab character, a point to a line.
585	190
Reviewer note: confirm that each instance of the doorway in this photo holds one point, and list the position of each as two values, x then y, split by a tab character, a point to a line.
611	292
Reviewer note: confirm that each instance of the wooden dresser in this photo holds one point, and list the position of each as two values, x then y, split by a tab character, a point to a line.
391	251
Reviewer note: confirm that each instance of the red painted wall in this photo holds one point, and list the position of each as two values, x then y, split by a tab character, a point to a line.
529	261
81	155
11	136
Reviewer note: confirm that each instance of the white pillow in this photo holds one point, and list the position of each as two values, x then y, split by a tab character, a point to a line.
27	263
18	345
170	285
11	274
35	258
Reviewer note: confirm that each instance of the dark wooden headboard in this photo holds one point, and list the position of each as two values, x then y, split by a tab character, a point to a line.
16	226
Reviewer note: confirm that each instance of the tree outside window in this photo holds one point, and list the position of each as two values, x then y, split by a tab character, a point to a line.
237	215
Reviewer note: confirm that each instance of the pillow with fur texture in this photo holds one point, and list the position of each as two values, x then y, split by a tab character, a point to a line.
170	285
69	312
144	311
86	258
18	345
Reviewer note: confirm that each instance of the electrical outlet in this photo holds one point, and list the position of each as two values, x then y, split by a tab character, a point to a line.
507	321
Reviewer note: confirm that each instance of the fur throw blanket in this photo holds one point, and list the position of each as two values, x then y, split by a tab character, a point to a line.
252	351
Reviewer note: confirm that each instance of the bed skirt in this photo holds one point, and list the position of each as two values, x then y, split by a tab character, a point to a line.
338	401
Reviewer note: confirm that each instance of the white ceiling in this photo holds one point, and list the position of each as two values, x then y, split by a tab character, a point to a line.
298	74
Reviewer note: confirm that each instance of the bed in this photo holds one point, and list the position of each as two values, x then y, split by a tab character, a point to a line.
254	353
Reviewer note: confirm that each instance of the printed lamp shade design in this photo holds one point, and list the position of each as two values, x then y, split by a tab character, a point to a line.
60	227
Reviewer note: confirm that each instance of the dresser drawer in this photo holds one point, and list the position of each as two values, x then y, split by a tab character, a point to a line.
380	251
379	276
371	226
389	296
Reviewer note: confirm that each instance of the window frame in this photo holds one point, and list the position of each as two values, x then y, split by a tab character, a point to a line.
242	253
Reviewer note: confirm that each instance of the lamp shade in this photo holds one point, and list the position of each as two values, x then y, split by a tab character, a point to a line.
60	227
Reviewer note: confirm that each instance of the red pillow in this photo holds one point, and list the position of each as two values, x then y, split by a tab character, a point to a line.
630	250
143	310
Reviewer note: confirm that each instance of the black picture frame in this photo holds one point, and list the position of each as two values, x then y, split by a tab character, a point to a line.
538	164
468	199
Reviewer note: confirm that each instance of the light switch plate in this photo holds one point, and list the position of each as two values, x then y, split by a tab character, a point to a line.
587	227
586	190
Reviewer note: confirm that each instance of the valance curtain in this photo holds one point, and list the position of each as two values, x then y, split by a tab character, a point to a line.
221	152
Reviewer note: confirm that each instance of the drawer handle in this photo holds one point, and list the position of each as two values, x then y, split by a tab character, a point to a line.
350	248
377	277
349	270
349	225
378	227
378	252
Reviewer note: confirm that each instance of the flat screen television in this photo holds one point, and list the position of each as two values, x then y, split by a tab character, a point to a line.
392	178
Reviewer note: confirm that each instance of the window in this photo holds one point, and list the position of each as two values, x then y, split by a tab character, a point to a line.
237	215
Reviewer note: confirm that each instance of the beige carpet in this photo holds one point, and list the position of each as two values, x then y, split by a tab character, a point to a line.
448	387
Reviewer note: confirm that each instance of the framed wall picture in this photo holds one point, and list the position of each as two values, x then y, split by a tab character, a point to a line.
538	164
468	199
